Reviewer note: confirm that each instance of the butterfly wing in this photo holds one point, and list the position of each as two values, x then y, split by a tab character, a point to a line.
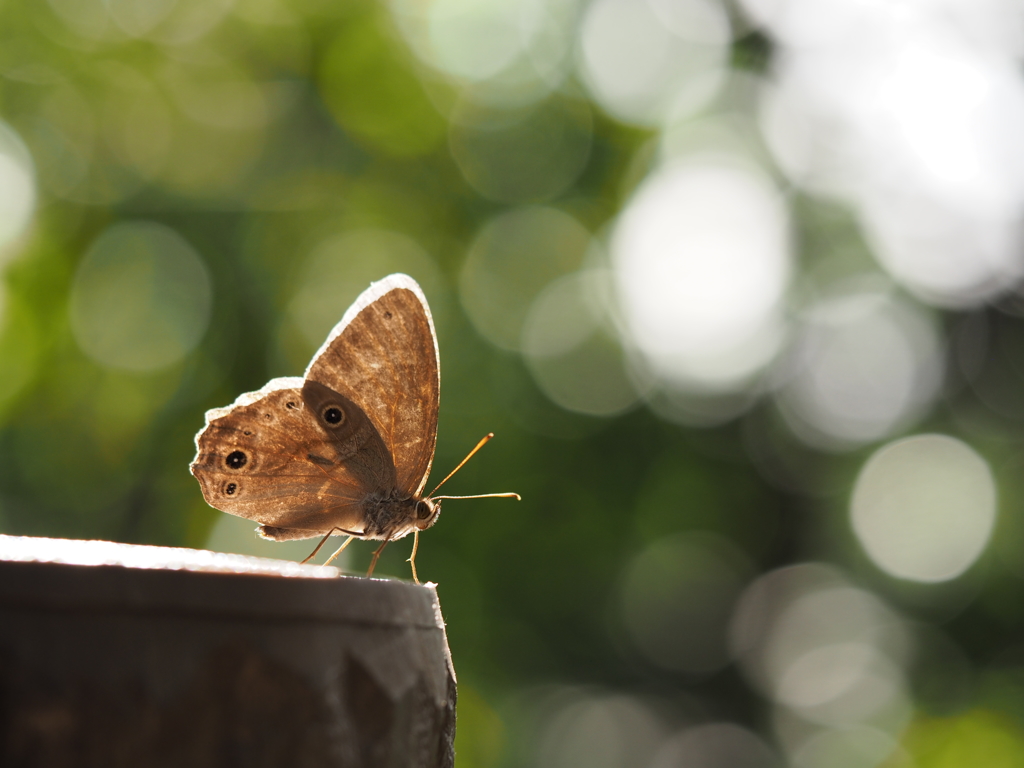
383	357
294	455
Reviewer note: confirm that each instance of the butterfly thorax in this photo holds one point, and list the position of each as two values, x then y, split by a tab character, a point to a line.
392	517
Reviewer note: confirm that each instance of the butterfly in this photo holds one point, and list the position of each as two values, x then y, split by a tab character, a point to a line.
347	448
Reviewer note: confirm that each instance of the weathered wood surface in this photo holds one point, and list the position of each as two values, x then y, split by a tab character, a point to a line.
147	656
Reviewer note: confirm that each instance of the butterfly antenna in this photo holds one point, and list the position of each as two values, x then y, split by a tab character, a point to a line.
515	496
462	463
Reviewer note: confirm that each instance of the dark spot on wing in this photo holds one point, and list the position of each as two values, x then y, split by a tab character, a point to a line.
236	460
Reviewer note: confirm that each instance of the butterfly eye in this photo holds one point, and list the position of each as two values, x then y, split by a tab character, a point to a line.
236	459
423	511
333	415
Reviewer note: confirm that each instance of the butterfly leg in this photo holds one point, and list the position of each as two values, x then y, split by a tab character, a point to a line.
412	557
339	550
324	541
313	553
376	554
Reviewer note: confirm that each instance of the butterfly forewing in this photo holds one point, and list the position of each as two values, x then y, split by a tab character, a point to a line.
383	357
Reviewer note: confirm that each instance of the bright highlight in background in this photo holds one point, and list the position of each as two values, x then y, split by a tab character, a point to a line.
864	363
911	114
17	186
520	46
644	60
924	507
829	654
701	261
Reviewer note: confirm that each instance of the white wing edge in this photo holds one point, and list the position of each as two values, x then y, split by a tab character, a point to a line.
377	289
248	398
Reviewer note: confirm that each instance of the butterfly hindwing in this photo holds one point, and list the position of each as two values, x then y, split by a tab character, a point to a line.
267	458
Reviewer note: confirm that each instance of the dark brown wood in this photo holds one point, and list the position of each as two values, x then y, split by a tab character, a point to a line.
118	655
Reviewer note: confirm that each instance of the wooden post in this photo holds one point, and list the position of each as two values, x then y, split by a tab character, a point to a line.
120	655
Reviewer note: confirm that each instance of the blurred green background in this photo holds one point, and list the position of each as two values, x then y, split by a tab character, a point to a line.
736	284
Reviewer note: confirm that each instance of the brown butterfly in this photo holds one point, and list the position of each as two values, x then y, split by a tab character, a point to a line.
347	448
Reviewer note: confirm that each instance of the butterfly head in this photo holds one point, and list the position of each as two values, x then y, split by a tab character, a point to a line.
426	513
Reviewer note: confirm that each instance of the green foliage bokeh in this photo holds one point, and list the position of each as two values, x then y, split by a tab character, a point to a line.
264	133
